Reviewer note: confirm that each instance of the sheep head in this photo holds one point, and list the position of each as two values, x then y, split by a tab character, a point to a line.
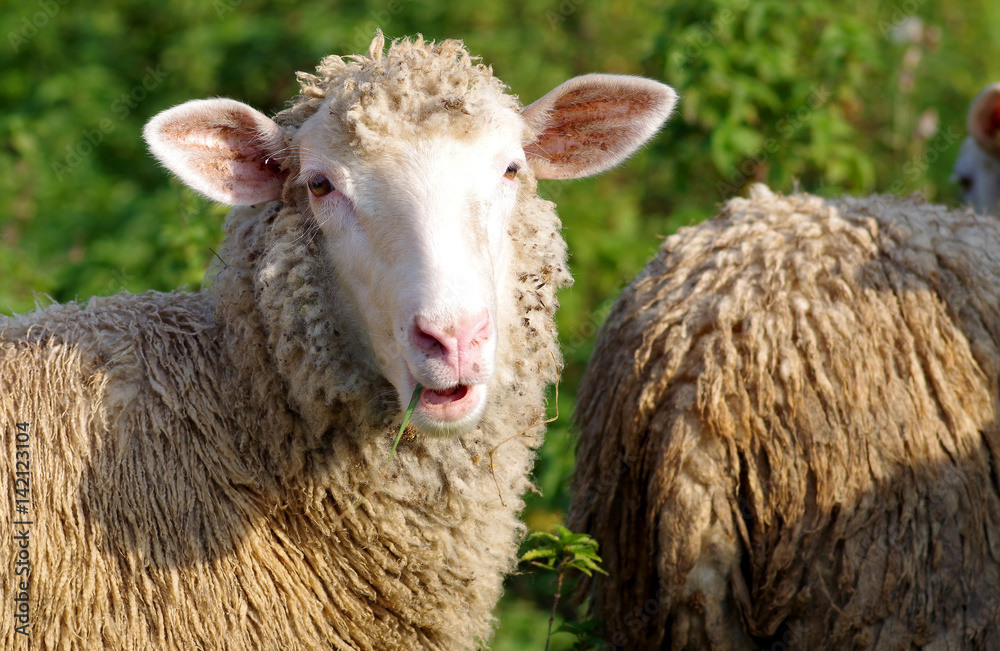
411	163
977	169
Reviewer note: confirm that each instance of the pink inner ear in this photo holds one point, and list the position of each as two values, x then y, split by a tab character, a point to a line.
229	155
221	148
984	119
240	169
591	123
985	124
579	122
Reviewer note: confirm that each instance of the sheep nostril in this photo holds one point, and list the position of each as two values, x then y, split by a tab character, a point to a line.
453	339
428	338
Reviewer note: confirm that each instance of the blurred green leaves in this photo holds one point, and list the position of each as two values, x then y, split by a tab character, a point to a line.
834	97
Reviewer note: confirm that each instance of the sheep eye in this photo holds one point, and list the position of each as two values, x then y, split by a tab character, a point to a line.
511	171
965	182
320	186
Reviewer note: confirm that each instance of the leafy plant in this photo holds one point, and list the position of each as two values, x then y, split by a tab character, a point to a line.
562	552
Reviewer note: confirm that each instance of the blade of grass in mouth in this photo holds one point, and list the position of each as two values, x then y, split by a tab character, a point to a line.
406	419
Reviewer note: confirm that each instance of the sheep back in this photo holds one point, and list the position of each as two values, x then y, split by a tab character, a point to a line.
788	432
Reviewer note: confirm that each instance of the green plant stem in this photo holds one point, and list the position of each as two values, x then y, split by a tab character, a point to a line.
555	604
406	419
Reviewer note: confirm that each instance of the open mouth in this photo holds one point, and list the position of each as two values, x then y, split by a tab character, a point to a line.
446	397
451	404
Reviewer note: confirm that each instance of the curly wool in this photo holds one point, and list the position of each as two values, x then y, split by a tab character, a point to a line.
207	469
789	428
414	85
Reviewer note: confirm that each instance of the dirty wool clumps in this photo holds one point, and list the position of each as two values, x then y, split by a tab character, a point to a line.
788	432
206	469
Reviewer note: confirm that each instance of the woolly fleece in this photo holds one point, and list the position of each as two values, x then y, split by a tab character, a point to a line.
788	432
195	458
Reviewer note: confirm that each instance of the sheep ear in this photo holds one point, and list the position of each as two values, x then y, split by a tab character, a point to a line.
984	119
591	123
222	148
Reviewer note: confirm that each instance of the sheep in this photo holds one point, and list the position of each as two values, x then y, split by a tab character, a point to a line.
788	432
212	470
977	169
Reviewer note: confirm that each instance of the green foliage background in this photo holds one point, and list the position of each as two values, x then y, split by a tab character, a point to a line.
832	97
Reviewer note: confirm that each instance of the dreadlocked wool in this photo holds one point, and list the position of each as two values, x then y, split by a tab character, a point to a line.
788	432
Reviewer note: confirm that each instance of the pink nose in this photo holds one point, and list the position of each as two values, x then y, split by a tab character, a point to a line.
456	343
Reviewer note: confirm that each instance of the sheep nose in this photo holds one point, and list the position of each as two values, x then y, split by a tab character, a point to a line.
456	342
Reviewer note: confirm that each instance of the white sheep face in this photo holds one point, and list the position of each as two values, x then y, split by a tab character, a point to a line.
417	235
415	226
977	169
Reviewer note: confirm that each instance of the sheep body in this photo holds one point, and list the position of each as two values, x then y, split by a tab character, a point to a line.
788	430
182	495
